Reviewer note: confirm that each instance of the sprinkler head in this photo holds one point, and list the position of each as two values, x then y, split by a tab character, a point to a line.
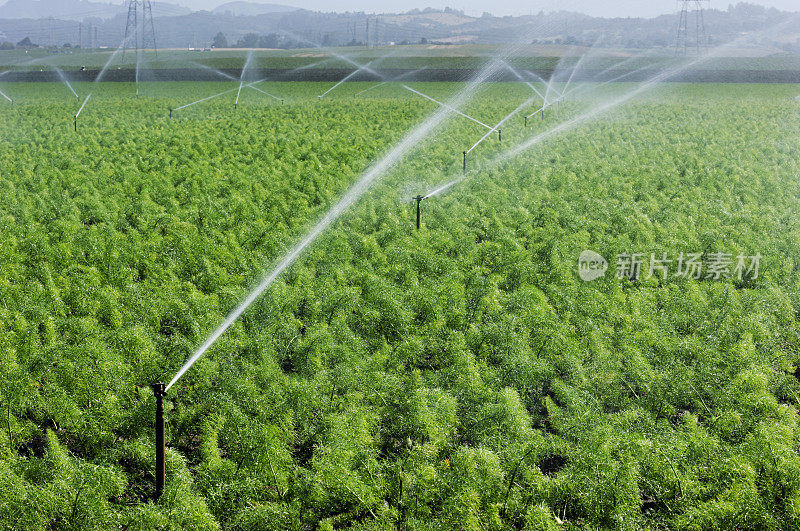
419	199
159	389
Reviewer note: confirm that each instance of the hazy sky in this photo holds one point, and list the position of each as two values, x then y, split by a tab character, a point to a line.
616	8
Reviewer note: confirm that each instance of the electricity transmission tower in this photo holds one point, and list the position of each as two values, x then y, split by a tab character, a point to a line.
683	43
139	37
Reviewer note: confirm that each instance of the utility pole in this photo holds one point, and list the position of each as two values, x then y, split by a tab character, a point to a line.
131	27
147	30
700	37
80	35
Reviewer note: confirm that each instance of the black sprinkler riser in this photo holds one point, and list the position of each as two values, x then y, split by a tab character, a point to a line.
159	390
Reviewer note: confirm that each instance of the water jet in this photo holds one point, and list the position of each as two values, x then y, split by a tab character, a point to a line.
75	119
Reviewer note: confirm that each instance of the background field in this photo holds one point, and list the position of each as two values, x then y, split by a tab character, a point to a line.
457	377
539	57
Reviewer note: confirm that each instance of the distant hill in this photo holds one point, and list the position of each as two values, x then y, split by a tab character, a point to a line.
78	9
285	26
250	9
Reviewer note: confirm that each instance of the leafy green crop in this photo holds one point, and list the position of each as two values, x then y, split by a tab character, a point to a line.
457	377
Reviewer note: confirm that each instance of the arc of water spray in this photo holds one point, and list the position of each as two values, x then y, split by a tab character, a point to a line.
217	95
569	124
593	113
605	71
547	86
82	106
562	127
238	93
66	81
348	76
102	73
75	120
617	78
541	109
367	69
241	77
565	92
382	83
452	109
500	124
578	67
138	60
230	77
206	99
334	53
252	86
394	79
26	62
410	141
218	72
604	83
3	94
572	75
552	80
538	78
352	195
546	104
311	65
525	81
